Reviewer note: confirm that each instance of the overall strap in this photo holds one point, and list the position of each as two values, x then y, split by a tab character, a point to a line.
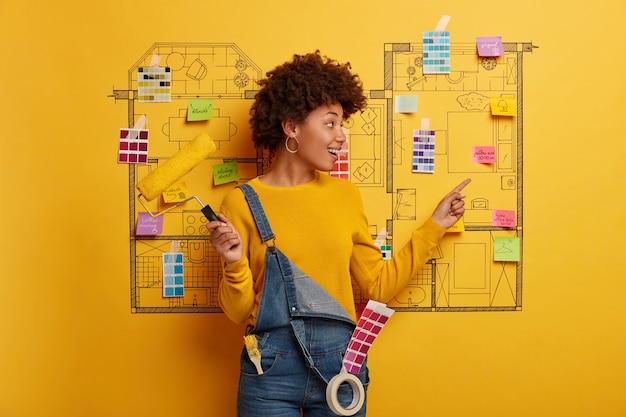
257	211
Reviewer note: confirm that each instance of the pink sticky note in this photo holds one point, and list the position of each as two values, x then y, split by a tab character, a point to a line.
489	46
503	218
148	225
484	154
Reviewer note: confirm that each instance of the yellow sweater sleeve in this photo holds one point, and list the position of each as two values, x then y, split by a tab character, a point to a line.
381	280
321	227
236	292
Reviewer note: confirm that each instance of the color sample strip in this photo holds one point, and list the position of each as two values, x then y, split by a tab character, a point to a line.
342	166
436	52
371	322
133	148
424	151
173	279
386	251
154	85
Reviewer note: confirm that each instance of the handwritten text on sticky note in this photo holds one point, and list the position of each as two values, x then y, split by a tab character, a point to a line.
177	192
148	225
484	154
503	218
227	172
489	46
459	226
199	109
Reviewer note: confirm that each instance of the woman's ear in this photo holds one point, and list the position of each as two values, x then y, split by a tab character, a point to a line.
289	127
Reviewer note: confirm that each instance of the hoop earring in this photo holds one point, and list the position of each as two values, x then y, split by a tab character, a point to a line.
287	144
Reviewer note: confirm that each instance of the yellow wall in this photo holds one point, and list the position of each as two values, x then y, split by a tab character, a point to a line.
69	343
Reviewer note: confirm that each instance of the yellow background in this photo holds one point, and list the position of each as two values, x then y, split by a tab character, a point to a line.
69	343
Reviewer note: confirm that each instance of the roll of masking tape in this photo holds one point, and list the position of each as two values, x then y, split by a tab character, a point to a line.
358	394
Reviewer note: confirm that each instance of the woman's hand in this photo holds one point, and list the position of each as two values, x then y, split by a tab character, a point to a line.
225	239
451	208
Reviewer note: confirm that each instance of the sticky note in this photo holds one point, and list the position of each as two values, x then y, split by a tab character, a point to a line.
227	172
148	225
406	104
199	109
484	154
503	106
489	46
176	193
503	218
506	249
459	226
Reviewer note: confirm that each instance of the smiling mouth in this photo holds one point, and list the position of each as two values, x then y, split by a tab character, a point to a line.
336	152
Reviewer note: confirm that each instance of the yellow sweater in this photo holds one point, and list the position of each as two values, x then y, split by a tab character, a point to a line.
320	226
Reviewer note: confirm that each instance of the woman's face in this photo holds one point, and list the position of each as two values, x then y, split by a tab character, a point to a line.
321	137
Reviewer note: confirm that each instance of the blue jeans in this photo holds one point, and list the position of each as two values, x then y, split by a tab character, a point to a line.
288	383
302	334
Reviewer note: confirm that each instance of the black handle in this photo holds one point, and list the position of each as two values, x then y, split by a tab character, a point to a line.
209	213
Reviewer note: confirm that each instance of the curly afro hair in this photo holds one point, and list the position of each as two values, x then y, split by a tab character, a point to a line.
294	89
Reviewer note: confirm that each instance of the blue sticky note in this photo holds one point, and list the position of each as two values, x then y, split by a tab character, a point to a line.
406	104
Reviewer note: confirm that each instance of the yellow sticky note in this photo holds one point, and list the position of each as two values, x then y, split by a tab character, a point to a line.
503	106
227	172
177	192
199	109
459	226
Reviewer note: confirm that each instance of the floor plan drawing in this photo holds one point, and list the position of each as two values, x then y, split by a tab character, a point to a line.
464	273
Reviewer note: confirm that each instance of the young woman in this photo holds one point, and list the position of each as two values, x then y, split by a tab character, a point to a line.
295	239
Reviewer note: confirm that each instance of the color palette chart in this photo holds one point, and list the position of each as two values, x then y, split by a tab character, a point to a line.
154	84
133	148
173	278
342	165
436	52
423	151
371	322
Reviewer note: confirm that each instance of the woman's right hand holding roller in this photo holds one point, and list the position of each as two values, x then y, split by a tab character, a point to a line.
225	239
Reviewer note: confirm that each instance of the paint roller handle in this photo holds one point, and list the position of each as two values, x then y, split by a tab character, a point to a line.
225	239
209	213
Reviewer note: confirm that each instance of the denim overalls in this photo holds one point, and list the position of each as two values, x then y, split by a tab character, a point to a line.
302	334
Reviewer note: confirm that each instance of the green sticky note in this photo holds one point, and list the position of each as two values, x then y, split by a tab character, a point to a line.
227	172
199	109
506	249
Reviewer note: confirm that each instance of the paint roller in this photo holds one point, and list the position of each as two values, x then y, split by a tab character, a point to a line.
172	170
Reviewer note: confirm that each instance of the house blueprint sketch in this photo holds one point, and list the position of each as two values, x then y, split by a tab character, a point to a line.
462	274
